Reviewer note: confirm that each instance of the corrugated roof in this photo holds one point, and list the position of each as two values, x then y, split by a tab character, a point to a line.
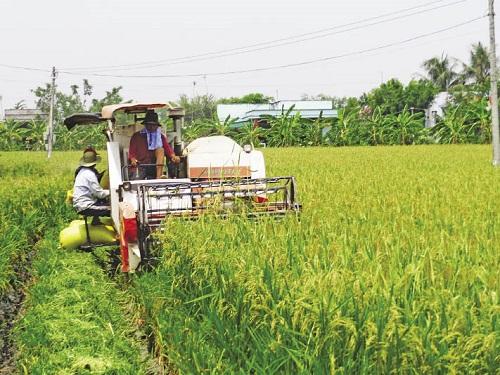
329	113
307	108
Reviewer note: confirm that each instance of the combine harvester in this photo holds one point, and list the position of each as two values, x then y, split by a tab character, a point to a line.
215	175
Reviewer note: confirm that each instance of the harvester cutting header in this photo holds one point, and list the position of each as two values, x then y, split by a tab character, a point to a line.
211	174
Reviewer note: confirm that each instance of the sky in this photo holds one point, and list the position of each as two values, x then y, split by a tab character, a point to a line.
158	50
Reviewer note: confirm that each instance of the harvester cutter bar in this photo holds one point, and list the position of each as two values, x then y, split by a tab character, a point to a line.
265	196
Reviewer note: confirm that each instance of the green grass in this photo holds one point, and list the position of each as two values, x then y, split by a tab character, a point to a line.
391	267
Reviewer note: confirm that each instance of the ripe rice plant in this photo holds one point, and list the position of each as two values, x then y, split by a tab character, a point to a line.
391	267
30	203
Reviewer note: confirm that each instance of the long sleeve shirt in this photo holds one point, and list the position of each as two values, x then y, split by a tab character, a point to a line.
87	190
138	149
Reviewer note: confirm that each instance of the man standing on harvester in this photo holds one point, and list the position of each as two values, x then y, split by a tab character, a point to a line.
149	146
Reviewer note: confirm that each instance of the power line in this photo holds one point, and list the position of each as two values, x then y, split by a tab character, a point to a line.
25	68
286	43
103	81
273	43
307	62
219	54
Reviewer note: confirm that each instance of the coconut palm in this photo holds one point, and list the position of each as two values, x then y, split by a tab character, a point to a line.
478	69
441	71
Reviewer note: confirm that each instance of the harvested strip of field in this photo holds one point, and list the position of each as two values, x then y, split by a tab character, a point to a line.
74	319
27	209
392	266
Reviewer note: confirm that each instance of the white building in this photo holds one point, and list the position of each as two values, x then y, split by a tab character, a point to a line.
436	108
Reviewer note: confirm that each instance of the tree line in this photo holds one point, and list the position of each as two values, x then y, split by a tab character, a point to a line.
390	114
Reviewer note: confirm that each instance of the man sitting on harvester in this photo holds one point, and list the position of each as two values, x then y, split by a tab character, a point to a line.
89	198
149	147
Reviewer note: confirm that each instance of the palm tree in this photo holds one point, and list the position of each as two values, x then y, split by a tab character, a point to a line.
478	69
441	71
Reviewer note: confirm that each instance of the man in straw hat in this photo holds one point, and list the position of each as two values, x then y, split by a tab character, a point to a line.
149	146
89	198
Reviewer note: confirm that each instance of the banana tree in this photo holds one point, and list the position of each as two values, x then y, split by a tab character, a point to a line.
454	127
249	134
11	136
344	128
372	128
64	138
312	132
480	118
219	127
284	130
406	127
33	134
195	129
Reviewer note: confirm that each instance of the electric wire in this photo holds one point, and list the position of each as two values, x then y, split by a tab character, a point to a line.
283	66
212	55
104	82
273	43
25	68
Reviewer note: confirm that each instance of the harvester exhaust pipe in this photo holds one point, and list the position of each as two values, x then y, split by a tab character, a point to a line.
177	116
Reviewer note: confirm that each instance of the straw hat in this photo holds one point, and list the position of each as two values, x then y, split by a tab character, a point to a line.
89	159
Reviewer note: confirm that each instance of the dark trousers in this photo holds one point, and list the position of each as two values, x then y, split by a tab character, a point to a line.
99	208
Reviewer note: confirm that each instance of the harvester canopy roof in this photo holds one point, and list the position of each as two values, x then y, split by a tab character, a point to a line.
108	112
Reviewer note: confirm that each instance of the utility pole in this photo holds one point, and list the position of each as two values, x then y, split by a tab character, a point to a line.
495	132
50	126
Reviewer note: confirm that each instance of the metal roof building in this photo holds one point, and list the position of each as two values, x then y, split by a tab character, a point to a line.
311	109
24	114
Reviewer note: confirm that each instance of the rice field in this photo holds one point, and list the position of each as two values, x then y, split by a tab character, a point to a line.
392	267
